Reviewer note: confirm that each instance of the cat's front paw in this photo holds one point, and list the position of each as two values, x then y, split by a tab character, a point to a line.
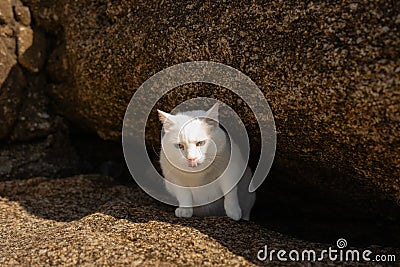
233	212
184	212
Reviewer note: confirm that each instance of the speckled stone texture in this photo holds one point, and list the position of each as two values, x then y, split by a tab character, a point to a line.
329	69
33	140
89	220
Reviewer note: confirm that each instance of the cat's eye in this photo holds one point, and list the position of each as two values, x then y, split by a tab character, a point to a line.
180	146
200	143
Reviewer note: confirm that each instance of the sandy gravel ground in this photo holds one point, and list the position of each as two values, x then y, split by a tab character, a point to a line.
87	220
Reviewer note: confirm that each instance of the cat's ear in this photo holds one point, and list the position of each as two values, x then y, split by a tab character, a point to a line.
212	115
166	119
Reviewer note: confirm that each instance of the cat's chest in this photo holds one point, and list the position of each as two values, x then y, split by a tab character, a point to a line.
192	179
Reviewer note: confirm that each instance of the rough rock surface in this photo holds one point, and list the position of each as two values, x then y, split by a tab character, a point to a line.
10	100
31	48
330	70
34	141
22	47
87	220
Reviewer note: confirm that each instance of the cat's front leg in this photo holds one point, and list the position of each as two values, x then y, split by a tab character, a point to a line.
231	205
185	200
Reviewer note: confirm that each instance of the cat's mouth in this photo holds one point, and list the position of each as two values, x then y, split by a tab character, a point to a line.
193	163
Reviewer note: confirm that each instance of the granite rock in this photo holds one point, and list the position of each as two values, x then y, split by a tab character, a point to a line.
22	13
11	93
329	70
22	47
31	48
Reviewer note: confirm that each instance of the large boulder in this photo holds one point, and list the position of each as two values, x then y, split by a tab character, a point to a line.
329	70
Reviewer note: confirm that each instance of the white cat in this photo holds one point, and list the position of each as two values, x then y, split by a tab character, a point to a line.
196	151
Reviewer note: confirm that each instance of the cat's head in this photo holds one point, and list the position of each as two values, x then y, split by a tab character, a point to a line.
188	141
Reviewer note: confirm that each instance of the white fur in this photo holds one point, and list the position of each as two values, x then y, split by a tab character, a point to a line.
207	162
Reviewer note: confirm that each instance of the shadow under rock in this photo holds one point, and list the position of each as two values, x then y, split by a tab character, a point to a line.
322	205
298	198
